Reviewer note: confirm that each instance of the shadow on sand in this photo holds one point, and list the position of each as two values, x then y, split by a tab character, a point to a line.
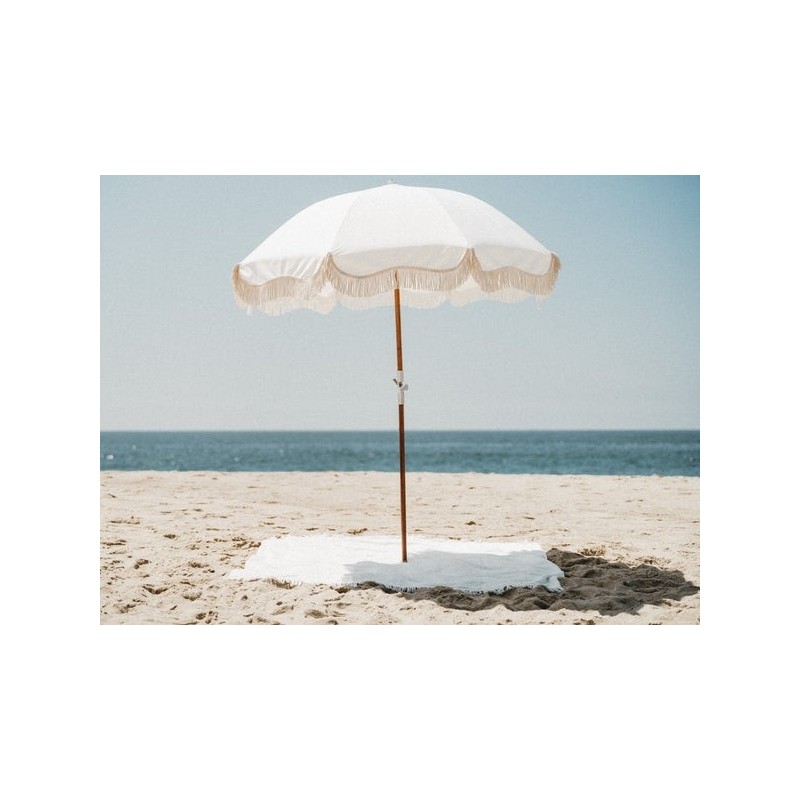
590	583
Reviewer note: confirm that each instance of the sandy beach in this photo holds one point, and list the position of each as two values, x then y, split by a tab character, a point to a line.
629	546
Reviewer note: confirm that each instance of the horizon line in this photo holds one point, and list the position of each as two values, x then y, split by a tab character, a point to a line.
391	430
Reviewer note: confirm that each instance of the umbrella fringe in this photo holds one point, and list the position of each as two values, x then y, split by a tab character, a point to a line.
285	293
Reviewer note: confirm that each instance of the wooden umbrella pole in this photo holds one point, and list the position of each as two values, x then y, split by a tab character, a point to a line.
401	387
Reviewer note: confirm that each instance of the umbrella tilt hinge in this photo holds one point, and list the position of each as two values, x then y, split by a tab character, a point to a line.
402	387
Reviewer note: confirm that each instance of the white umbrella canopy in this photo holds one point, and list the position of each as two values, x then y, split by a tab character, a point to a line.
413	245
357	248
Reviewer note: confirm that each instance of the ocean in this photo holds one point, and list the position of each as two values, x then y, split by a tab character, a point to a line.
533	452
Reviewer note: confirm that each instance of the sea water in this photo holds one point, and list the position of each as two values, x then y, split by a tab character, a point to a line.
638	452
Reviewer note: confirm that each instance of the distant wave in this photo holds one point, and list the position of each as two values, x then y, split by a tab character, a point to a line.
513	452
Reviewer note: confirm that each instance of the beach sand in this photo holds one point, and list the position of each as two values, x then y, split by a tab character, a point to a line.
629	546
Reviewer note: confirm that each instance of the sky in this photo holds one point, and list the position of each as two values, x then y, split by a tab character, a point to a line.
616	345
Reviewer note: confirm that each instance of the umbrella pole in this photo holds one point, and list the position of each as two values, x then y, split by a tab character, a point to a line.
401	387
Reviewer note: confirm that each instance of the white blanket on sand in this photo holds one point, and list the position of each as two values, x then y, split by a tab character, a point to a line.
349	560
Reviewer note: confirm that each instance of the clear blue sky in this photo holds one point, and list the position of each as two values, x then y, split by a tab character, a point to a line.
615	346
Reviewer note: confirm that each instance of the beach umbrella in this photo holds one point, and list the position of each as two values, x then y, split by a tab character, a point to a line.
394	245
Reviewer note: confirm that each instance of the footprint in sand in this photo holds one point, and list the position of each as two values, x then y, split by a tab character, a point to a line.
124	608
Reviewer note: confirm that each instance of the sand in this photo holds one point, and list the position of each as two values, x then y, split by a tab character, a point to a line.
629	546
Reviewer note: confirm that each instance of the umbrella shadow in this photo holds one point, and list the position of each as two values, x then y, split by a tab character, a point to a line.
482	570
590	583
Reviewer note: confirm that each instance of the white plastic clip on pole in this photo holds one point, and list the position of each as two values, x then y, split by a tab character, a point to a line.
402	386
